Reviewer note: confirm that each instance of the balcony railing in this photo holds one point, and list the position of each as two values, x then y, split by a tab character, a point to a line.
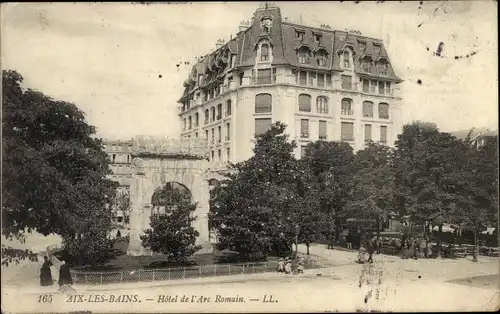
322	137
346	112
304	135
263	80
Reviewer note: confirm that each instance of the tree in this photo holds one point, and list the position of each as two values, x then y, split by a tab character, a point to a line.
479	206
428	175
331	166
172	232
54	170
251	210
373	184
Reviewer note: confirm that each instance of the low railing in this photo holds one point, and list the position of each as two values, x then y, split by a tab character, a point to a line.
178	273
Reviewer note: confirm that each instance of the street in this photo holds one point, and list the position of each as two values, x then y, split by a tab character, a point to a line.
389	284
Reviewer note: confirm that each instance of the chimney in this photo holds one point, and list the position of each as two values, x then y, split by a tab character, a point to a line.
244	26
219	43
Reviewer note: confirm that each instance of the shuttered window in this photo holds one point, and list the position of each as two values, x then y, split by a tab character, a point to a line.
322	104
263	103
368	132
347	131
322	130
346	107
383	111
304	128
367	109
383	134
261	126
305	103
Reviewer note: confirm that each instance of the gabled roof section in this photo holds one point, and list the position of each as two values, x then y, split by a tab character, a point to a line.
254	33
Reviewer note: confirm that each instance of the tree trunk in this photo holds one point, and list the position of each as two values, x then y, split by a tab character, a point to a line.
307	246
439	240
476	247
378	226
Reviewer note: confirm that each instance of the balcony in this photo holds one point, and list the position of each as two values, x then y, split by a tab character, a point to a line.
347	112
219	117
263	80
304	135
322	137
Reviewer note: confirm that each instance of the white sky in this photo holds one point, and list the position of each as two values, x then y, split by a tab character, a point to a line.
107	58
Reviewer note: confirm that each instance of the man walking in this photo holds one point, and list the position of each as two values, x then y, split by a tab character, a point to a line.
371	249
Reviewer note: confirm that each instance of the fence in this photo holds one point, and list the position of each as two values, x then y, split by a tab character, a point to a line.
178	273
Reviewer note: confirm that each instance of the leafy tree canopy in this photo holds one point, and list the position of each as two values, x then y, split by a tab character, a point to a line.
54	170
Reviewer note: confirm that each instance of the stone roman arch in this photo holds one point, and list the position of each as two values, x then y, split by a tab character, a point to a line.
157	161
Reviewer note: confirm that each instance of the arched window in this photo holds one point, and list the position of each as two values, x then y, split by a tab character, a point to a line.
304	103
321	58
367	109
264	52
366	65
322	104
383	111
190	122
263	103
219	111
346	107
346	57
196	119
228	108
382	67
303	55
207	115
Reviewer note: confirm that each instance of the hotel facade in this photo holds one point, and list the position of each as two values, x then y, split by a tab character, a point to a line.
323	84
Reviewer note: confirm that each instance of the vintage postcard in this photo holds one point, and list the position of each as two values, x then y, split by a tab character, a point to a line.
250	157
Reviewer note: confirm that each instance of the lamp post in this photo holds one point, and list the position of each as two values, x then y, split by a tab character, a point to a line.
297	230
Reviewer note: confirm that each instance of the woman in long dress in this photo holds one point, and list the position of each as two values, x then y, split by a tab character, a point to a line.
64	275
46	273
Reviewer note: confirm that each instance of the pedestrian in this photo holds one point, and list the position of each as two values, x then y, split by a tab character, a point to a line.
349	240
46	273
281	265
65	275
415	249
300	266
362	255
371	249
288	266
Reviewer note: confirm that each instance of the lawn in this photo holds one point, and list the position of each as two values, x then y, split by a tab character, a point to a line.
124	261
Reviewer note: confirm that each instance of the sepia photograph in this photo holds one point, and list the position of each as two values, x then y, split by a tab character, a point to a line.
250	156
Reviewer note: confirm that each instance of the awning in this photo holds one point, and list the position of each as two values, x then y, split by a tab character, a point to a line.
446	228
488	231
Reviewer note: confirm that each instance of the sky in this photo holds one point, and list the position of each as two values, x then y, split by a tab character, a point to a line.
118	62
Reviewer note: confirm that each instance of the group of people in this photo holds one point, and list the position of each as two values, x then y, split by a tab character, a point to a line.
366	250
46	274
285	265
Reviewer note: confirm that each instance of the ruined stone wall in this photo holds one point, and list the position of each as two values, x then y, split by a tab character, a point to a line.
156	162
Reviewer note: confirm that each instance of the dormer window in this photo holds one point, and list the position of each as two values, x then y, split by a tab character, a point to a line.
377	48
362	46
347	62
299	35
317	37
264	52
382	67
366	65
303	55
321	58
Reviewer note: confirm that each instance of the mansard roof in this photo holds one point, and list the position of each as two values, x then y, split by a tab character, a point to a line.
285	41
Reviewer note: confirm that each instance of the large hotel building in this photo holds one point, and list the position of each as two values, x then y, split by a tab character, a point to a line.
323	84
